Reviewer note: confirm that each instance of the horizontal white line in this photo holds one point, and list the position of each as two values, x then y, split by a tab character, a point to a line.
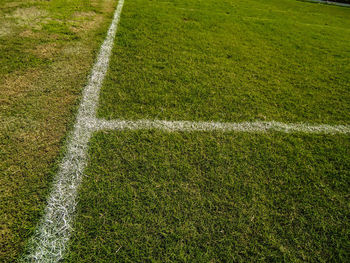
257	126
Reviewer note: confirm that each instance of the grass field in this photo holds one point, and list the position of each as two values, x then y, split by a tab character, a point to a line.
230	61
213	197
46	52
161	196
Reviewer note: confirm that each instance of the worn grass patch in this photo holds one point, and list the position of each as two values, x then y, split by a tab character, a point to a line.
152	196
281	60
43	67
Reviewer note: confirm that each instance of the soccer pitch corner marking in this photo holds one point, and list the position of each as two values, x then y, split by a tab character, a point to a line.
49	241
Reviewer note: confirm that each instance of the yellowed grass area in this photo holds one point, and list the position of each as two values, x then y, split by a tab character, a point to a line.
36	109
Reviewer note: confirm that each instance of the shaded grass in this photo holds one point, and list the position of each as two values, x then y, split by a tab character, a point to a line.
230	61
45	56
151	196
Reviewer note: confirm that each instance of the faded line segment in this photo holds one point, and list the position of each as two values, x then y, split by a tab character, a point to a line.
53	232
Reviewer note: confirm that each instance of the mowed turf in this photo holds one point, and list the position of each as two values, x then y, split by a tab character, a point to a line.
152	196
156	196
46	52
230	60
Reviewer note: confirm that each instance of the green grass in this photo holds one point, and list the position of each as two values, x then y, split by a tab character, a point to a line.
151	196
46	52
282	60
194	197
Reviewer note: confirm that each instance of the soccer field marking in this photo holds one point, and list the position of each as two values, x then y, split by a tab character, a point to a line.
329	3
53	232
257	126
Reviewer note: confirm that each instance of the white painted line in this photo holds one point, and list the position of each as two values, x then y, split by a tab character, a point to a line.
50	239
256	126
329	3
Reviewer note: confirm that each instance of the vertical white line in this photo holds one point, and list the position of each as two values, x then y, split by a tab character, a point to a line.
53	232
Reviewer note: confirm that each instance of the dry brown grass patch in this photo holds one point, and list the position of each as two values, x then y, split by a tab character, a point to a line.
46	50
6	28
30	16
84	15
82	23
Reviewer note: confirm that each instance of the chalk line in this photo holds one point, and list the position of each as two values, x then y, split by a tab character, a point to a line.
256	126
53	232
